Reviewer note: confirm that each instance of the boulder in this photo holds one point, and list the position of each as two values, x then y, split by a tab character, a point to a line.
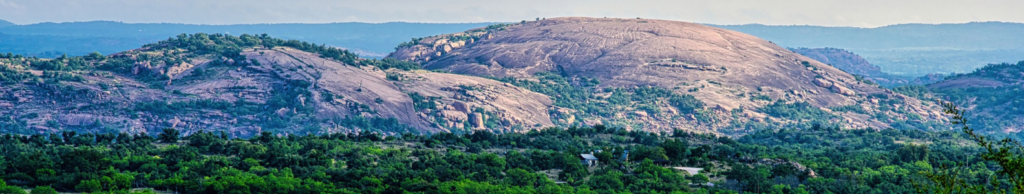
641	114
447	48
822	83
453	115
477	120
283	112
843	90
174	122
460	106
79	119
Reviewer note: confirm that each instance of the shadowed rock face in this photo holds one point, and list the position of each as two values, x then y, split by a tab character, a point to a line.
854	64
725	65
842	59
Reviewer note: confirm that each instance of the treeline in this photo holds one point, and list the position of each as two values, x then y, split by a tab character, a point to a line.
207	162
191	46
812	160
230	46
14	68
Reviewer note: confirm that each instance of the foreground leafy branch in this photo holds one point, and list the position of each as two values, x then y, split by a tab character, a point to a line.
1007	153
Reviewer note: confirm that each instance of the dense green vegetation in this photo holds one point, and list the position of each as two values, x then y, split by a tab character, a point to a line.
768	161
335	163
421	102
13	68
1002	106
10	73
588	101
389	63
230	46
1007	154
797	111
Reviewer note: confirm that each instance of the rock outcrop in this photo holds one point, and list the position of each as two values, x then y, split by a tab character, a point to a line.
719	67
280	89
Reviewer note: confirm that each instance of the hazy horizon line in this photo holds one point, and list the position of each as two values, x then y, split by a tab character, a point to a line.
409	22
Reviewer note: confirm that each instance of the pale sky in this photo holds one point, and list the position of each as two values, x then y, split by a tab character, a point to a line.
857	13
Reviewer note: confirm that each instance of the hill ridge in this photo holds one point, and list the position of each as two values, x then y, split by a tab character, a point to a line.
991	93
4	23
245	85
717	66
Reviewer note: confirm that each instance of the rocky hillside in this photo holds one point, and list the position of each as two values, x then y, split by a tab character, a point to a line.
248	84
992	75
679	75
991	95
639	74
842	59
